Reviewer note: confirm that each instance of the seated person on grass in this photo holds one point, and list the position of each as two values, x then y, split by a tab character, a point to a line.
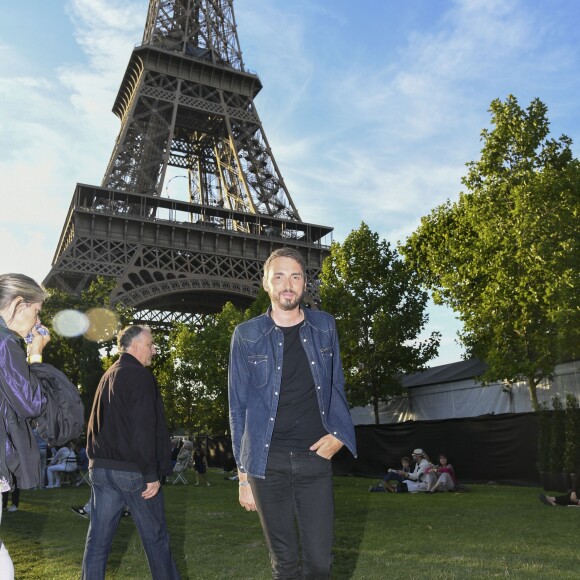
417	480
442	476
397	475
570	499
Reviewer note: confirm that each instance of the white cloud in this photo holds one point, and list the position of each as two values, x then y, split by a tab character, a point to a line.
400	133
58	129
27	250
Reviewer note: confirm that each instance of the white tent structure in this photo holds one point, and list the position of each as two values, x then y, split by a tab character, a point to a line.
451	391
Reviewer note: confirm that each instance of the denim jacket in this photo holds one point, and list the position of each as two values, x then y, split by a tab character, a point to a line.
255	374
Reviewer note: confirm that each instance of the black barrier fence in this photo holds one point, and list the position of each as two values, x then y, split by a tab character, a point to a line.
501	448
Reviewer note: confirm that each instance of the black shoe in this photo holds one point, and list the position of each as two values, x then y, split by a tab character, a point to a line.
126	513
81	512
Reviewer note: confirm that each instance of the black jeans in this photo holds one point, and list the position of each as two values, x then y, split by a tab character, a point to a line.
296	507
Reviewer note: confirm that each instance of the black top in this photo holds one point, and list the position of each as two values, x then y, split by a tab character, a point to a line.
298	424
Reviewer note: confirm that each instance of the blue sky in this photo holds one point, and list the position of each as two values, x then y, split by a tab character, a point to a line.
372	108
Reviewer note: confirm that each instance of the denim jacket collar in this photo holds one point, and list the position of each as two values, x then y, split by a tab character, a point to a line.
269	324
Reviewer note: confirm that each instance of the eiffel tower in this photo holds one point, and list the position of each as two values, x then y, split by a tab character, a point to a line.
186	105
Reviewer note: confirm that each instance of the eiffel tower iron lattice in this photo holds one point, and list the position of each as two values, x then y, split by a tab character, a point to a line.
186	105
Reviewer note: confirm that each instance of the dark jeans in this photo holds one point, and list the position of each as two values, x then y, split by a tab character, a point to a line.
296	507
393	477
111	492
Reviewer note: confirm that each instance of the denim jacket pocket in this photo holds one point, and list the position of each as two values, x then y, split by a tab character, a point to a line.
327	356
259	369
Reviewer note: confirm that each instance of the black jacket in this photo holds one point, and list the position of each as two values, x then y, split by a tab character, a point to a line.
127	429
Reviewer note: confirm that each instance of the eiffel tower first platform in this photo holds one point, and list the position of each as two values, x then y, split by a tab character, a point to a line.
186	105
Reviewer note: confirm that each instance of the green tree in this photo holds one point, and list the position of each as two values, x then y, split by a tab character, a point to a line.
79	358
196	382
259	305
505	255
379	309
191	368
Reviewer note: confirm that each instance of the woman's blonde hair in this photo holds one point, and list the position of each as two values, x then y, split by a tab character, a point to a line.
18	285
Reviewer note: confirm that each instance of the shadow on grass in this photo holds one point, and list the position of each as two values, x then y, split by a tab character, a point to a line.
55	523
177	524
24	531
349	526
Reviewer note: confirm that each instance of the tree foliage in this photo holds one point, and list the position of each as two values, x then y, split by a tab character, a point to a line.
505	255
380	313
192	368
78	357
195	379
190	365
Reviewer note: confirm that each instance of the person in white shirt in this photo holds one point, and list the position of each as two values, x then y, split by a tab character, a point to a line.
418	479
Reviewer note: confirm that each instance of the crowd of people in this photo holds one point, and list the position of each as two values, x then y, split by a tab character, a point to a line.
418	474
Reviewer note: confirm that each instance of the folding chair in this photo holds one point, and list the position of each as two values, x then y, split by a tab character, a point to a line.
68	476
179	469
83	477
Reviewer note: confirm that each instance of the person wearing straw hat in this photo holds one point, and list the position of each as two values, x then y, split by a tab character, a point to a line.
418	479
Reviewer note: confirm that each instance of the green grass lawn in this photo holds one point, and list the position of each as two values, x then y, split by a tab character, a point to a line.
490	531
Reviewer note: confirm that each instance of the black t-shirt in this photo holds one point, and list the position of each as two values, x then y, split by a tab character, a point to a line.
298	424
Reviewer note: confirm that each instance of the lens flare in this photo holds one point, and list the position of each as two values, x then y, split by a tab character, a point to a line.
70	323
103	324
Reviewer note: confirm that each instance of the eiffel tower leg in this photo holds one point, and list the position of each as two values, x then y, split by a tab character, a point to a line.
140	157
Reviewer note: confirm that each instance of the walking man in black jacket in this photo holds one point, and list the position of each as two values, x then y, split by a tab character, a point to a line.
129	451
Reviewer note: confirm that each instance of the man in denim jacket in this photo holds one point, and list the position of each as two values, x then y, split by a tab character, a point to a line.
288	417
